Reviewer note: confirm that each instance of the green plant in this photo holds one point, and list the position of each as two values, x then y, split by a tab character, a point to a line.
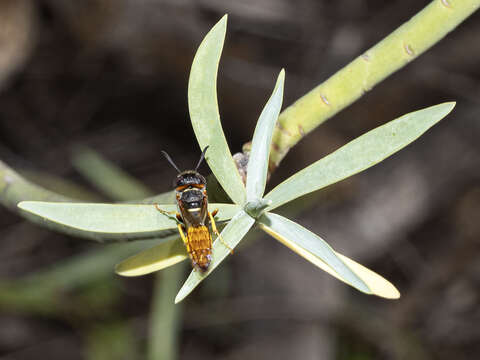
140	221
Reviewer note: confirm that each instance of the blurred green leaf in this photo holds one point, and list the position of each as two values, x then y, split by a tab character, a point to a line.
307	242
39	292
126	221
156	258
114	181
262	138
203	106
82	269
359	154
108	178
60	185
231	234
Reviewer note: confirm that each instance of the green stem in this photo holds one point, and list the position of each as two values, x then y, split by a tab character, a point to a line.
14	188
165	316
110	340
410	40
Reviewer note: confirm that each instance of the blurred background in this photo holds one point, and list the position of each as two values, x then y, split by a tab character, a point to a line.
112	76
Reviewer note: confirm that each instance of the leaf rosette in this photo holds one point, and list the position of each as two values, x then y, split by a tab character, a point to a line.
250	205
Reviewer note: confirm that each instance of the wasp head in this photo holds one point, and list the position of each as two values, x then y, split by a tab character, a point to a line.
189	178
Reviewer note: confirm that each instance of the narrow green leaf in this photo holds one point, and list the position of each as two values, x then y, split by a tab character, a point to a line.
203	106
377	284
156	258
116	220
262	138
359	154
231	234
307	242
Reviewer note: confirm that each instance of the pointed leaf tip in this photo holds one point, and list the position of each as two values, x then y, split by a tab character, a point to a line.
204	112
262	138
310	246
375	284
359	154
379	285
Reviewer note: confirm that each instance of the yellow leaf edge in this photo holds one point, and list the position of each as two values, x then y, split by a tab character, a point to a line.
154	259
378	285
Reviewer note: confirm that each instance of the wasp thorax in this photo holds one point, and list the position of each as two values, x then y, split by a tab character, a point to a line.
192	199
189	178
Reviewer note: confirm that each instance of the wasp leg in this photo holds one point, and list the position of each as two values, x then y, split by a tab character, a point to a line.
214	228
169	214
182	235
163	211
178	218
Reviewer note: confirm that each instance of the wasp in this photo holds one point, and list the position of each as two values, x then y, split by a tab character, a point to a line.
193	218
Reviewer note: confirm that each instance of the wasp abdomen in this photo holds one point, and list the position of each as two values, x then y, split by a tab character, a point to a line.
199	246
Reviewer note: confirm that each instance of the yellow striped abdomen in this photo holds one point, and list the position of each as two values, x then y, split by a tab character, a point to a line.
199	246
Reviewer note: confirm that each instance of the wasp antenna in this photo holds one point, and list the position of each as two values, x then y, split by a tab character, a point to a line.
169	159
201	157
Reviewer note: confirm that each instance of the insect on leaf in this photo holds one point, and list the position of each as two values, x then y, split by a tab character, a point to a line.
359	154
262	139
231	234
115	220
204	114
